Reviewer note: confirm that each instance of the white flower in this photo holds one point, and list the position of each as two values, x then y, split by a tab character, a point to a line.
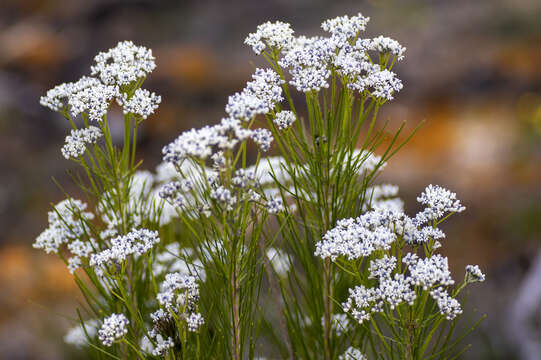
224	196
381	84
162	345
284	119
74	263
438	201
352	354
94	101
114	328
277	35
344	28
175	283
244	106
263	138
136	242
243	178
308	63
67	222
274	205
142	103
384	45
266	86
449	306
78	140
123	64
431	271
474	274
355	238
57	98
382	268
194	321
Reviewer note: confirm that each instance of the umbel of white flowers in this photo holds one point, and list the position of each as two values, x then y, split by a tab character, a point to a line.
377	230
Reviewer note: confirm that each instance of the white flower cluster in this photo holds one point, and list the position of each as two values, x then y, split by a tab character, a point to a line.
224	197
474	274
67	222
206	141
181	290
429	274
136	242
284	119
114	328
258	97
94	101
115	69
179	296
384	44
311	60
381	83
345	28
77	141
352	354
79	336
307	61
277	35
274	205
263	138
377	229
430	271
162	345
142	103
439	202
57	98
355	238
123	64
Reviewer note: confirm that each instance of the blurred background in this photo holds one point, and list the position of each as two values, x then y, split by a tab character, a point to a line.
472	72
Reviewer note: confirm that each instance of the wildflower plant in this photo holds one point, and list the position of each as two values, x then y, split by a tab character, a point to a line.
225	249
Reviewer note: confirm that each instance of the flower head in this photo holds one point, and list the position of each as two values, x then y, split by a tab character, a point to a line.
78	140
114	328
276	35
123	64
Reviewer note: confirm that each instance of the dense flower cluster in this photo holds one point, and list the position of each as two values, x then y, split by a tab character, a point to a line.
439	202
277	35
179	296
77	141
474	274
142	103
284	119
377	230
123	64
136	242
114	328
355	238
352	354
67	222
57	98
93	101
345	27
